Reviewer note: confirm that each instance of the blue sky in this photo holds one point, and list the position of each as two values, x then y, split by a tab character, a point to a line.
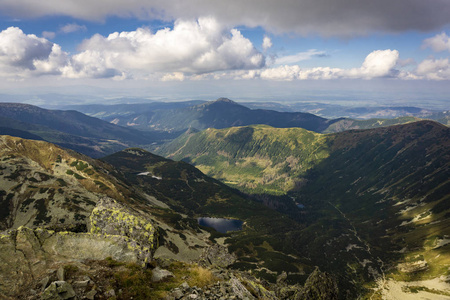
262	50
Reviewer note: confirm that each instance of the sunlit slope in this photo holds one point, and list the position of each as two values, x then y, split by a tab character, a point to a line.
390	188
255	158
350	124
376	203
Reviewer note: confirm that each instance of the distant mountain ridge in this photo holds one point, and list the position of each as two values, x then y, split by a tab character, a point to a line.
70	129
71	122
221	113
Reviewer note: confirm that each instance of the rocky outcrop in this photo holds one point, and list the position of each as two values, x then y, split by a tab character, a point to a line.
58	290
26	254
235	287
217	256
111	218
319	286
413	267
115	233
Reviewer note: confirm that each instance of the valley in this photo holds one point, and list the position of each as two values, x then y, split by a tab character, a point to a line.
368	208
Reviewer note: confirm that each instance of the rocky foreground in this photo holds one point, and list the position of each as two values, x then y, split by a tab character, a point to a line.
114	260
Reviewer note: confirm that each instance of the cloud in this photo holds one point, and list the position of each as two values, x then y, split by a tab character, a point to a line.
23	55
378	64
292	59
344	18
438	43
267	43
141	52
434	69
69	28
287	73
48	34
175	76
170	55
90	64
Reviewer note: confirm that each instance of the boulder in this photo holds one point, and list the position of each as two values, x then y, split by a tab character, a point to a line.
217	256
160	274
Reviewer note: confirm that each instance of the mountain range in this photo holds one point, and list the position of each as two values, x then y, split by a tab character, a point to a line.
369	208
201	114
71	129
220	113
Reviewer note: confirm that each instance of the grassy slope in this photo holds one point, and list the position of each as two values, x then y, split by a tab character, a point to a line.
256	158
349	124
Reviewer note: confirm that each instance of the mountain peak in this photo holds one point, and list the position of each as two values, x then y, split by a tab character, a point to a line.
224	100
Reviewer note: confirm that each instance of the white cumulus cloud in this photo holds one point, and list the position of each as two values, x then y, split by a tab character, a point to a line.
190	47
23	55
438	43
267	43
175	76
281	73
434	69
379	63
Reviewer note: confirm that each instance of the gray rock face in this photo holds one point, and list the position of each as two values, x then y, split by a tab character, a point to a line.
239	290
26	253
319	286
58	290
60	274
217	256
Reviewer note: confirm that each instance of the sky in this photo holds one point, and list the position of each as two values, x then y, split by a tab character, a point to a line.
391	51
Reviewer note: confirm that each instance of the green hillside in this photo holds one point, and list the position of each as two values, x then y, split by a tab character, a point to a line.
375	203
255	158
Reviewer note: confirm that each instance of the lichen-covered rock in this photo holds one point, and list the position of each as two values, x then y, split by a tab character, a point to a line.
111	218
